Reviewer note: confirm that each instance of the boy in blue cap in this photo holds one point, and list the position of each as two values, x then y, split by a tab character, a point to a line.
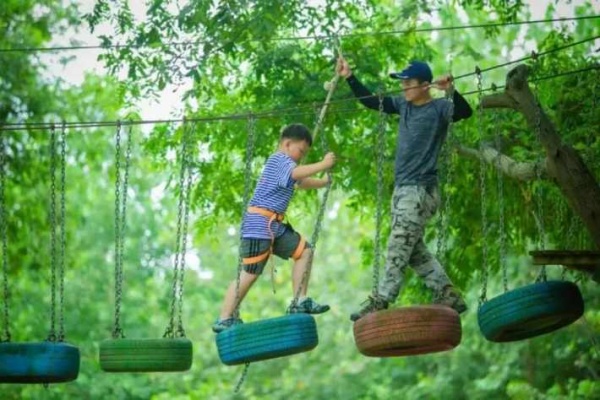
421	132
263	230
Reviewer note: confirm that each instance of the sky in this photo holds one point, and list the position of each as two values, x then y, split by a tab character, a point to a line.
85	61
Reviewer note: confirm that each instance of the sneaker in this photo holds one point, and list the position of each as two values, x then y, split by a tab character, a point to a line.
372	304
450	297
221	324
307	306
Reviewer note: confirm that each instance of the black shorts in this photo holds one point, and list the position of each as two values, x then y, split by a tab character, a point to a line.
284	247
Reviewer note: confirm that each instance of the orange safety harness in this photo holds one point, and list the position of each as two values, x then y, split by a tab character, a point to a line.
273	216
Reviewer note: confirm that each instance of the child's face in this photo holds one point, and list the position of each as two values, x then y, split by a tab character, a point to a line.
413	90
296	149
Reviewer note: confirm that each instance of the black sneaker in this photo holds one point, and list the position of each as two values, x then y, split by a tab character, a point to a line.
372	304
221	324
307	306
450	297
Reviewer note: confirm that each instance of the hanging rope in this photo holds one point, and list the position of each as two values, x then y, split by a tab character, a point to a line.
482	188
5	337
185	183
321	212
120	223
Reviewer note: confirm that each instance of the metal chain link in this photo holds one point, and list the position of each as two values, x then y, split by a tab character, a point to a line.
63	233
500	192
250	143
542	277
4	232
380	148
117	330
443	222
482	188
52	212
170	331
186	213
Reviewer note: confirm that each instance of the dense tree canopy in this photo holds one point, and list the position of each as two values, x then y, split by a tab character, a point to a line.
265	62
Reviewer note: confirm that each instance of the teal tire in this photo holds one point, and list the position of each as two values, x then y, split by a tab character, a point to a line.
146	355
530	311
38	362
267	339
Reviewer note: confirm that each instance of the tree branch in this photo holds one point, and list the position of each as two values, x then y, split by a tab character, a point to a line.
522	171
498	100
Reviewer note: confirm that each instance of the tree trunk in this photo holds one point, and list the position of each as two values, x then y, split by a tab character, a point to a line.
564	165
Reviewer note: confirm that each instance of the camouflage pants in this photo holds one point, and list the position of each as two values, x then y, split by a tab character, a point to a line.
412	208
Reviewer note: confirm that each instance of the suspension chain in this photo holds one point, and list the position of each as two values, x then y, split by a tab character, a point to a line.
52	212
482	188
178	258
63	233
250	143
444	218
186	214
120	223
542	277
380	149
5	337
500	190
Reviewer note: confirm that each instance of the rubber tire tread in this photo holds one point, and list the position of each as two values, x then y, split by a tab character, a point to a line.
146	355
530	311
408	331
38	362
267	339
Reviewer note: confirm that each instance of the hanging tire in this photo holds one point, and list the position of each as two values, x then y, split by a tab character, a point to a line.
146	355
408	331
38	362
530	311
267	339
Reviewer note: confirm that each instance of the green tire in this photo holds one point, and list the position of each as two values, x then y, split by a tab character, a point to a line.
146	355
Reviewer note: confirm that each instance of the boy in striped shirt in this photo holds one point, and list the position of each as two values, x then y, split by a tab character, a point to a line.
263	230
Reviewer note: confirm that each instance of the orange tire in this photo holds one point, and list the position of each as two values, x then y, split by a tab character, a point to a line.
408	331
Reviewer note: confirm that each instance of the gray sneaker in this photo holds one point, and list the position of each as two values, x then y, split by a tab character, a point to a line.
372	304
221	324
307	306
450	297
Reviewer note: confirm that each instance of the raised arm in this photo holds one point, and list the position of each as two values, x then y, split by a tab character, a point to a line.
364	95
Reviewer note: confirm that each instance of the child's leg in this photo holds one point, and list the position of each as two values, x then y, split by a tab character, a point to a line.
229	303
299	280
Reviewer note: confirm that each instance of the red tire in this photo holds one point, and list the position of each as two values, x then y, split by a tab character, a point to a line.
408	331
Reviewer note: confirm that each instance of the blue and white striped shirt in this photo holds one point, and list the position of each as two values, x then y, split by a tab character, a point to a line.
273	192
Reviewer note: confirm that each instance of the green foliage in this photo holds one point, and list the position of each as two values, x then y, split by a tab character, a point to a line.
239	63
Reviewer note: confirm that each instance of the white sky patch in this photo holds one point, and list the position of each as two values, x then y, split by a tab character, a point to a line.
231	231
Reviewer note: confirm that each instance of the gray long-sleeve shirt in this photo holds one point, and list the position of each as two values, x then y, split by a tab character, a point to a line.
421	131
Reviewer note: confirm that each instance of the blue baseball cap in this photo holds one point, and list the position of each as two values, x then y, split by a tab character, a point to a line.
415	70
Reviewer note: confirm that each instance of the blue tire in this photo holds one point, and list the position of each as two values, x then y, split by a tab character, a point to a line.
267	339
38	362
530	311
